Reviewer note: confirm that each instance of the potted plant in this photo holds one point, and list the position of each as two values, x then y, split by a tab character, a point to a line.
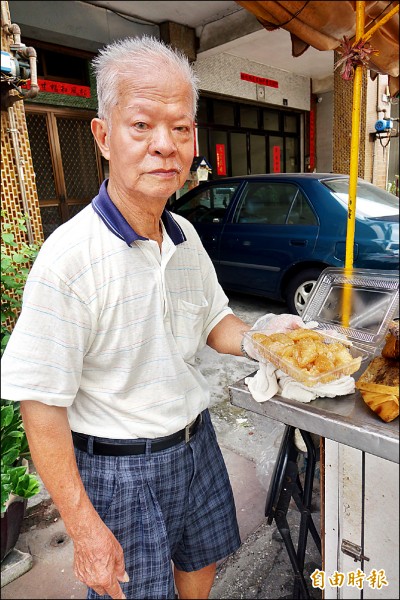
17	484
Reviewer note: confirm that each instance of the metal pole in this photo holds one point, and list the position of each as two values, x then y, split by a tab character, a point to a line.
20	171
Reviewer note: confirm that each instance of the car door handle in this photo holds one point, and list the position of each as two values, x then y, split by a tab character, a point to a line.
298	242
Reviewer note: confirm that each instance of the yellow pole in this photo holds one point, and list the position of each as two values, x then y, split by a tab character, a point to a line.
354	150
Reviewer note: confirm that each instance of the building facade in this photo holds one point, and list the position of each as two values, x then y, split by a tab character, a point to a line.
252	118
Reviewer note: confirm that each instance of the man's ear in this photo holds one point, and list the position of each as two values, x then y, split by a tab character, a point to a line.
100	133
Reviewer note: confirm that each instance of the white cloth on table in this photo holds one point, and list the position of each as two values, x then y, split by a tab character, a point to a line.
270	381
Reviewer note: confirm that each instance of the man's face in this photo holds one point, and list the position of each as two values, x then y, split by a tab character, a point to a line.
150	148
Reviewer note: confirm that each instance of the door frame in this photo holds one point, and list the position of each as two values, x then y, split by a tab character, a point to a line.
51	113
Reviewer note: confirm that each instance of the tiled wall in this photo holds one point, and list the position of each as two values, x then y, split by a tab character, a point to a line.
372	156
342	124
220	74
377	151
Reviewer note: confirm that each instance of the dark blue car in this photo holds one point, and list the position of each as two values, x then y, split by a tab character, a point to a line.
272	235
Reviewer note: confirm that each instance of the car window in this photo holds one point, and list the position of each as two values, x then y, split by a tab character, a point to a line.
209	205
371	201
266	203
301	212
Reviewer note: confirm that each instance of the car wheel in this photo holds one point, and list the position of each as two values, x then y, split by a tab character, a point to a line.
299	289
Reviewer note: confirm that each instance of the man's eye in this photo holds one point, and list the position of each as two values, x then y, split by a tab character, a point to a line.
141	126
183	129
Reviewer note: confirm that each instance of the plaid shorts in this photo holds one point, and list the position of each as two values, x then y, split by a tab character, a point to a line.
174	505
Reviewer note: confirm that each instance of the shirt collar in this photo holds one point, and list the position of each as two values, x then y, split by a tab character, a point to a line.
113	219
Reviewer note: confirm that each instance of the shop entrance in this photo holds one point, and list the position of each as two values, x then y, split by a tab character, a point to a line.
244	139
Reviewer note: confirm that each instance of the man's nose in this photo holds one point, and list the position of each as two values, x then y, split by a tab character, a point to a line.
163	142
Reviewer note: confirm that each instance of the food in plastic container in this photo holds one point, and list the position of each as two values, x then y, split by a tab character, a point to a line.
306	355
354	305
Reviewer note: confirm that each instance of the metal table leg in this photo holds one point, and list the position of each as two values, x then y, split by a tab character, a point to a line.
285	485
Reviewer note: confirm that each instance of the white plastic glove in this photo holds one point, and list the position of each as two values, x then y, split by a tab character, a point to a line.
271	323
262	322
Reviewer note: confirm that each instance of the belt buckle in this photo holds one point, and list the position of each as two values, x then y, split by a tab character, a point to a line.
187	431
187	428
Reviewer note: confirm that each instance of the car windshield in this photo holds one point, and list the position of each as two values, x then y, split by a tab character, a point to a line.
372	202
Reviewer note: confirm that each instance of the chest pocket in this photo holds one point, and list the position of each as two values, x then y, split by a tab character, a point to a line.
189	321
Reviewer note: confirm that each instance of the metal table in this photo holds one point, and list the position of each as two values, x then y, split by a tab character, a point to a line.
344	419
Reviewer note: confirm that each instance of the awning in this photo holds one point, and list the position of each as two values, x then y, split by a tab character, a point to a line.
324	25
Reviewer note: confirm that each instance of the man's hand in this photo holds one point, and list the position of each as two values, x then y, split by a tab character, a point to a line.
99	561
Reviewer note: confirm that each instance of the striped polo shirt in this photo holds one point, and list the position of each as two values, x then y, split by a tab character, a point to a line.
110	325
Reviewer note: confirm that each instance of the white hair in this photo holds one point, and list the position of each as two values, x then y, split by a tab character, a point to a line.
115	60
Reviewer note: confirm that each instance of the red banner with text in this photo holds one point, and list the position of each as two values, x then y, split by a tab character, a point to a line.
57	87
276	159
221	160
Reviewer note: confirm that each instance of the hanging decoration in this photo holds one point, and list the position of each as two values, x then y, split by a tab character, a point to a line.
353	55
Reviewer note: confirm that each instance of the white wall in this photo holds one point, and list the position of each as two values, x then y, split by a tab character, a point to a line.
220	74
324	133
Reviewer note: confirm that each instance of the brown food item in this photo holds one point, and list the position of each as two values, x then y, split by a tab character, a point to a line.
309	353
391	348
384	405
379	387
381	375
299	334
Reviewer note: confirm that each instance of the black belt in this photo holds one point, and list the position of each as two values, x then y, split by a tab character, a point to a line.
81	441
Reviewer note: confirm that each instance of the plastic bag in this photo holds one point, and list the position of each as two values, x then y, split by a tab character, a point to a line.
278	323
265	462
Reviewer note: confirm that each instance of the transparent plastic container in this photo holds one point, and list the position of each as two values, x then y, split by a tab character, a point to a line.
265	354
357	304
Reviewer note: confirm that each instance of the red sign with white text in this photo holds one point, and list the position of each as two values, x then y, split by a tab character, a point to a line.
276	159
221	161
57	87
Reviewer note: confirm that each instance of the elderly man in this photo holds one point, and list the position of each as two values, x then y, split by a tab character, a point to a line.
118	302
